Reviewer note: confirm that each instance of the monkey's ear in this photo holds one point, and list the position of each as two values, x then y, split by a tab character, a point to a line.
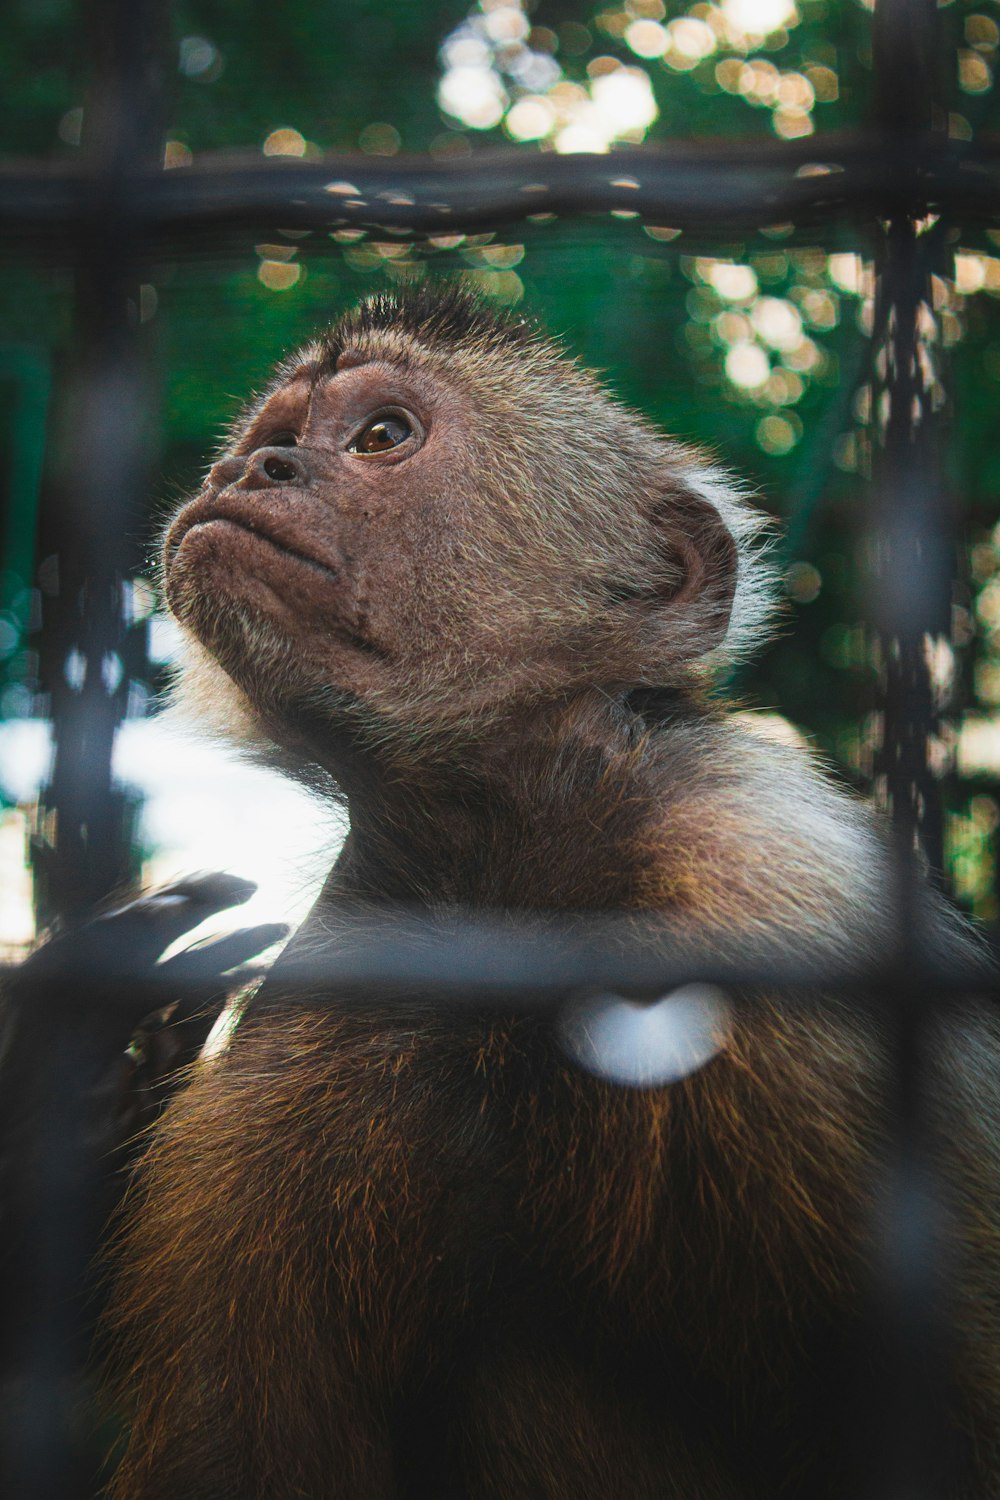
699	560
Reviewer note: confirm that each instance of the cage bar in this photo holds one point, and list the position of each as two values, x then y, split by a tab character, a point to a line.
117	208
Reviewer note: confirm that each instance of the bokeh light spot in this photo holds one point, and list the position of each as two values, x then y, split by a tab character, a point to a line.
380	139
199	58
285	142
691	40
474	95
974	73
176	154
747	365
825	84
803	581
278	275
845	271
530	119
647	38
791	123
734	283
777	322
759	17
625	99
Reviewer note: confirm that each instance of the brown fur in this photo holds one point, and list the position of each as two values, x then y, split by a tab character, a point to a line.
379	1250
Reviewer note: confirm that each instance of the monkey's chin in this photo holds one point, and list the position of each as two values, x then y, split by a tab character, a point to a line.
230	558
248	633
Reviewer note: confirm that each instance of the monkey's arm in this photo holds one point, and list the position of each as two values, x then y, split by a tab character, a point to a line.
123	1050
71	1095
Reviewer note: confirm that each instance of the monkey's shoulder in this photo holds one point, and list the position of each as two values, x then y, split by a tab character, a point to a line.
762	841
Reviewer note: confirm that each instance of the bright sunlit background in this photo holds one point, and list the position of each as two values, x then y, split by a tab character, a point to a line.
202	809
755	346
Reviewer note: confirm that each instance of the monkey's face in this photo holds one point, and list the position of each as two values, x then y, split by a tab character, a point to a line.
442	536
360	539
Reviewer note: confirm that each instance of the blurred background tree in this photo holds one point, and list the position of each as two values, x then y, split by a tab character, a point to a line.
754	346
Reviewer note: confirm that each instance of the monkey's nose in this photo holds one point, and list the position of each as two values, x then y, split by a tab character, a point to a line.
275	466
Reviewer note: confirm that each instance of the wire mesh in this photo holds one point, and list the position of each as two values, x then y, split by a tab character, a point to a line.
107	218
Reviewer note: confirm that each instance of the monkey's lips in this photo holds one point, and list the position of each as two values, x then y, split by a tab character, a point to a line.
224	543
255	531
286	527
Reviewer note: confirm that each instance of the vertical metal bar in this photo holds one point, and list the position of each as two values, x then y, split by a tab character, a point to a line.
913	561
904	51
83	850
913	570
913	567
101	439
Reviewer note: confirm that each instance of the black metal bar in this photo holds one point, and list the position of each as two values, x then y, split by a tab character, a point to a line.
912	574
391	950
914	550
690	185
118	206
86	847
905	57
105	438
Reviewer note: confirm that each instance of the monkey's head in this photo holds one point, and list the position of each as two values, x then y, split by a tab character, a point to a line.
435	518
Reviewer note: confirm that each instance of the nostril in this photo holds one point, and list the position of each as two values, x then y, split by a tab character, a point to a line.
279	469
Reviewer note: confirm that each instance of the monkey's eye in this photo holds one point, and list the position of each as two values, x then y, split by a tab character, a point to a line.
281	440
382	434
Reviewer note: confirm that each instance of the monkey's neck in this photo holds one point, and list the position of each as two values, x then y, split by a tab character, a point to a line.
560	810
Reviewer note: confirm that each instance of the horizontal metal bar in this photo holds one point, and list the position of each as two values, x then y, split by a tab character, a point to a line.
530	956
714	185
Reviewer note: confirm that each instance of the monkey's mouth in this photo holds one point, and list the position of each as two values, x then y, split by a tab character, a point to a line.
326	569
323	573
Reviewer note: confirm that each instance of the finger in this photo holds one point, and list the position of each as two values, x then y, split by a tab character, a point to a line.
137	933
207	894
204	962
215	890
148	925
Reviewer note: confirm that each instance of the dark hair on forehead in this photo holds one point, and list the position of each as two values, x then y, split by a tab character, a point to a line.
446	315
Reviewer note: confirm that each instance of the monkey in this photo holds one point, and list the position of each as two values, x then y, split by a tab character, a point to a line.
378	1248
